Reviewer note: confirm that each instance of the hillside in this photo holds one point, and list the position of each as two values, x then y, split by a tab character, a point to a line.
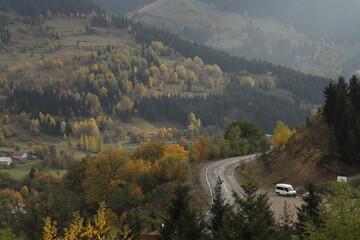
122	7
301	161
313	37
104	122
90	81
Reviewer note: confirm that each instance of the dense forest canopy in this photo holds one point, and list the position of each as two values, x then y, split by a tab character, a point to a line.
237	102
37	7
341	112
304	86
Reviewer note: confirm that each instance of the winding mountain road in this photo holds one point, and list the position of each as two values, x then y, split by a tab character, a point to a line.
225	169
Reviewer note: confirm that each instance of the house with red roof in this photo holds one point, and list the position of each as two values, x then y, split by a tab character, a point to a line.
19	155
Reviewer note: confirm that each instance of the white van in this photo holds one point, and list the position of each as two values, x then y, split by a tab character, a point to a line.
285	190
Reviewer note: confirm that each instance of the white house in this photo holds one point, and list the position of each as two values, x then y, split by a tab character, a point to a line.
5	161
19	155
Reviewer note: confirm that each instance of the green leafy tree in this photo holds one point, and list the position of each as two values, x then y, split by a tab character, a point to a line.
8	234
75	175
5	179
6	132
340	216
181	222
193	125
244	137
124	104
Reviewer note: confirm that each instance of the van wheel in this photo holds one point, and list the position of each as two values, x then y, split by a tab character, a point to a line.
278	193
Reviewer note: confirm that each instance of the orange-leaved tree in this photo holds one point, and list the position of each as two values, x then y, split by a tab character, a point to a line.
104	174
151	151
175	149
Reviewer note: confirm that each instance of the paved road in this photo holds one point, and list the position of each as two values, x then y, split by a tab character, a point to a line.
225	169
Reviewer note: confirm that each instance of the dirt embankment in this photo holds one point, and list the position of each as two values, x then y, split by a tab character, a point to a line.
301	160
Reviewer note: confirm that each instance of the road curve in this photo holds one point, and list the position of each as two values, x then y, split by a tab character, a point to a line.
225	169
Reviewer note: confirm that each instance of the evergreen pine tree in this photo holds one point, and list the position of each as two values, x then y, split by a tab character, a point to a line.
181	222
218	208
32	173
309	210
332	152
252	219
286	224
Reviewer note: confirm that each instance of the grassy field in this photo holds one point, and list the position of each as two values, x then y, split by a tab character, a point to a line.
19	172
29	45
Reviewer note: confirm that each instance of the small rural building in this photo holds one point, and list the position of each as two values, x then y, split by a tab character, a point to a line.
5	161
19	155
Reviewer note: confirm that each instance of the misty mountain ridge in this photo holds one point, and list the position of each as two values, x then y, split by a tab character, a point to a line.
318	37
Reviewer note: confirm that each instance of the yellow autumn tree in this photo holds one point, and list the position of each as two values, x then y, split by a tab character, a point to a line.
282	134
137	167
247	81
181	71
89	128
93	146
99	228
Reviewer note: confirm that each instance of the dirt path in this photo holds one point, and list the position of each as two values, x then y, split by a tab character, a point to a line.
277	204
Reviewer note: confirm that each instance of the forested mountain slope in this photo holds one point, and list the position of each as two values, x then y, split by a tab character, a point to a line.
328	19
63	71
122	7
325	146
36	7
317	37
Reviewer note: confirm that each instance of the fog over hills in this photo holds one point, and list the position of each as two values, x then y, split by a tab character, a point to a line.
121	7
318	37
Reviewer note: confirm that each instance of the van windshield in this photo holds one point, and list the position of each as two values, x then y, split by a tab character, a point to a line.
289	189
